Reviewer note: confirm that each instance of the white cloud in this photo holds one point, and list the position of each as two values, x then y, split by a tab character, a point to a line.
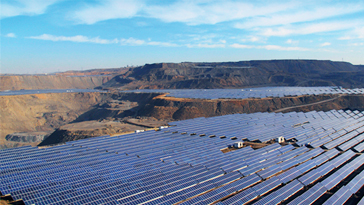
236	45
325	44
290	41
24	7
203	45
108	9
270	47
10	35
357	44
84	39
78	38
299	15
305	29
357	33
132	42
163	44
185	11
281	48
211	12
251	39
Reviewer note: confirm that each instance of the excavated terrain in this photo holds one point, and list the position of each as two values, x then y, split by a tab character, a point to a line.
80	115
69	116
239	74
64	80
47	112
163	107
35	82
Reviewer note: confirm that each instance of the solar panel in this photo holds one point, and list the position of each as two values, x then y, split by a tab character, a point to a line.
340	197
169	167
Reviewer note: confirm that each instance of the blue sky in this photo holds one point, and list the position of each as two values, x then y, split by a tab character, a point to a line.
43	36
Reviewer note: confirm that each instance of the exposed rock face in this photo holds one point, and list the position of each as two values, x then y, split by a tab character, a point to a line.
168	109
46	112
87	129
65	80
34	82
26	137
181	109
240	74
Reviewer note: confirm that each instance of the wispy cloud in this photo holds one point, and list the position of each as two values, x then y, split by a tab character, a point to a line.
236	45
290	41
162	44
84	39
325	44
24	7
132	42
204	45
299	15
211	12
357	44
309	28
137	42
251	39
357	33
269	47
10	35
184	11
108	9
78	38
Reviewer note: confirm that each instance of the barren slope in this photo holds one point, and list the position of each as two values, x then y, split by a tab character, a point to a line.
35	82
240	74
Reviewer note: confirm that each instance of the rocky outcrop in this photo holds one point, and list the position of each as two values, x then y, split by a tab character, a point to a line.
181	109
46	112
240	74
26	137
35	82
87	129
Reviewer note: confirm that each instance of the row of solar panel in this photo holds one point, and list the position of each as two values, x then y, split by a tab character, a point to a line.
137	171
251	92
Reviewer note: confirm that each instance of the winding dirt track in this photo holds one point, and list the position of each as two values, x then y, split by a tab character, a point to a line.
315	103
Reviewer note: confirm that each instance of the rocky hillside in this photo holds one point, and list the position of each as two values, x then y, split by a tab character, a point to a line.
65	80
159	110
240	74
180	109
35	82
46	112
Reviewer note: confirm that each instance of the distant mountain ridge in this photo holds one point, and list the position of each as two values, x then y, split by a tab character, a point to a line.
194	75
240	74
63	80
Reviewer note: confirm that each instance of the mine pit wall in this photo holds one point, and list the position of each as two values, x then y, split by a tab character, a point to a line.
35	82
181	109
46	112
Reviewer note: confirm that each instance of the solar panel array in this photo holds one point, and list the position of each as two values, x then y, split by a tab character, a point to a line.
252	92
184	164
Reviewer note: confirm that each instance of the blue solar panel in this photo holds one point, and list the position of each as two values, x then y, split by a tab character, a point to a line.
251	92
171	167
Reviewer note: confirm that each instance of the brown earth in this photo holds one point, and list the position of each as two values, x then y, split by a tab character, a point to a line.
239	74
87	129
198	75
162	107
35	82
130	111
64	80
47	112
